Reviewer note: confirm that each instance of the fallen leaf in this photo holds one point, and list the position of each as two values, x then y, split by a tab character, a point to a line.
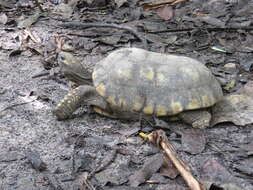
115	174
246	62
159	3
213	171
166	12
95	3
247	89
193	140
66	9
248	148
235	108
171	187
7	4
29	21
34	158
134	129
212	21
120	3
245	166
150	167
3	18
168	169
161	124
110	40
230	186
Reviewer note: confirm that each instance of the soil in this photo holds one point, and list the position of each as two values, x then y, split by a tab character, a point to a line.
39	152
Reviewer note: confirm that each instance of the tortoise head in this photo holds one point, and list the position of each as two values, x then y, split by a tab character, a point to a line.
73	69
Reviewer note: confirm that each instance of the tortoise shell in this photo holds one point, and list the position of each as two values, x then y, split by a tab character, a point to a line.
136	80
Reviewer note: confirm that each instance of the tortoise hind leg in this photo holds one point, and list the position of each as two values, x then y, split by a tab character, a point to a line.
82	95
197	118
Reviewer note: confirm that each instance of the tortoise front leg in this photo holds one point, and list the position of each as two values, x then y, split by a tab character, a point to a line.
82	95
196	118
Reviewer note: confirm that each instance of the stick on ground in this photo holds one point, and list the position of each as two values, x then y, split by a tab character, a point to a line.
80	25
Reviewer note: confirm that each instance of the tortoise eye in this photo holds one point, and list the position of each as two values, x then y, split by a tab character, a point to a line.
61	58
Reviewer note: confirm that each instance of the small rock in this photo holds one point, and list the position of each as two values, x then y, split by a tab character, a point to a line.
230	65
35	160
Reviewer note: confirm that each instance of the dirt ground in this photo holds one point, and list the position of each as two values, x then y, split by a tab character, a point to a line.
39	152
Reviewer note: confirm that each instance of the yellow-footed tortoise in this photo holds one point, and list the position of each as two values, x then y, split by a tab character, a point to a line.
130	81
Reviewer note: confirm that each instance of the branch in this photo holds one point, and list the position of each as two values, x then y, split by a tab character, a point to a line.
76	24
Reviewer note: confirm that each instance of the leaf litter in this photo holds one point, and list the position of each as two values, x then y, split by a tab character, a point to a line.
173	31
236	108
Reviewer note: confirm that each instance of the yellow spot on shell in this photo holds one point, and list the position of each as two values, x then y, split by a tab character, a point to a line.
125	73
160	77
101	89
161	110
122	103
147	73
149	109
101	112
69	102
176	107
137	106
65	62
205	101
190	72
194	104
111	100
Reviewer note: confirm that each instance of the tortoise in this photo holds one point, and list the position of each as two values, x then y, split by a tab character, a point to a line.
133	81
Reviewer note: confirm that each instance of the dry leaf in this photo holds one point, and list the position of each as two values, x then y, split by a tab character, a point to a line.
3	18
236	108
166	12
213	171
193	140
168	169
29	21
66	9
150	167
159	3
119	3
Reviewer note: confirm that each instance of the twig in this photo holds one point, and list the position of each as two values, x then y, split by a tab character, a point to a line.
42	74
81	25
210	29
188	177
15	105
159	139
155	5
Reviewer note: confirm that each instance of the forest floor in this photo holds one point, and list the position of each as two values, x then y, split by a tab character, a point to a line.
39	152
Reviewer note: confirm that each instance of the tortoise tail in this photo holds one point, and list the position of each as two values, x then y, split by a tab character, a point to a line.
71	102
